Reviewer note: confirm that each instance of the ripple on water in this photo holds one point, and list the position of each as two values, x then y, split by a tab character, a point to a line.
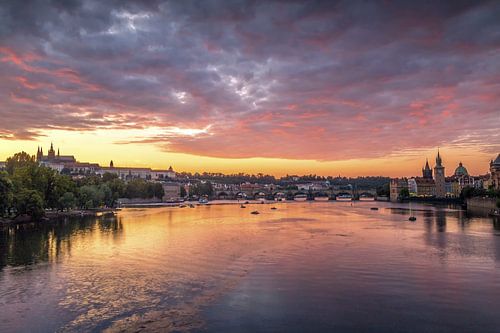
161	269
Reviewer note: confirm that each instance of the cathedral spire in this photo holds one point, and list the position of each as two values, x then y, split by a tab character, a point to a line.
426	171
51	154
438	159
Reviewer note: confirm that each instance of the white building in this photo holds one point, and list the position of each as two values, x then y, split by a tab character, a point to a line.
131	172
53	165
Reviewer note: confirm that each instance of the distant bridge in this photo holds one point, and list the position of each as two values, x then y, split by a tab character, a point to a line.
265	193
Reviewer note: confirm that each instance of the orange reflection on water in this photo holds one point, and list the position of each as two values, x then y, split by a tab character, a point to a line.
138	267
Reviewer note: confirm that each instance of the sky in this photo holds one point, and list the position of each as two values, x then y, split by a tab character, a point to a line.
279	87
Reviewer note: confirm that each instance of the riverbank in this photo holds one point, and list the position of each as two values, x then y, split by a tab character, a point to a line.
56	215
479	205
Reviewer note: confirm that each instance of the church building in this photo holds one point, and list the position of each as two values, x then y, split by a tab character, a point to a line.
52	157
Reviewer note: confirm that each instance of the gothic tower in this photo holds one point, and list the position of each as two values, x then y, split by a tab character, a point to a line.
52	154
427	172
439	178
39	154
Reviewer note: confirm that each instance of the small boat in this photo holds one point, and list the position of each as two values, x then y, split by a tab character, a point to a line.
246	202
411	218
273	208
374	208
255	212
321	198
344	197
243	206
495	212
182	206
203	200
300	197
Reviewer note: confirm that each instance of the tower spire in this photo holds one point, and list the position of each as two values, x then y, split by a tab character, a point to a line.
438	159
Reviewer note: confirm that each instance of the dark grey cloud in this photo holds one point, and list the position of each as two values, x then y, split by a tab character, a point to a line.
309	75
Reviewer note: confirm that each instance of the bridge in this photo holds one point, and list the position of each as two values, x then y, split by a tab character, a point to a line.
273	193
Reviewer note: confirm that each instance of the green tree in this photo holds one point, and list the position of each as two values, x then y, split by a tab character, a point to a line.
19	160
29	202
404	193
67	201
6	193
183	192
107	176
89	196
158	191
118	188
136	188
106	194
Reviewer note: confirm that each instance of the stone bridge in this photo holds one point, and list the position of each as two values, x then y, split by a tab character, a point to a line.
274	193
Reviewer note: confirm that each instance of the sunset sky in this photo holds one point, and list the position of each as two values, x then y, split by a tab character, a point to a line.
325	87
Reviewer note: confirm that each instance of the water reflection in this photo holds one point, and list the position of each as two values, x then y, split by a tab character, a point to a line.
45	242
330	266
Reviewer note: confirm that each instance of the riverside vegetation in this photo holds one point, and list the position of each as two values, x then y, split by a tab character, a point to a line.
29	188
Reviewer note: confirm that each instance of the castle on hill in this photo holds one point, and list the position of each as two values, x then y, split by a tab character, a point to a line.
69	165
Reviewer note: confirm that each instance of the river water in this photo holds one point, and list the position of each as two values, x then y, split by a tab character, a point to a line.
303	267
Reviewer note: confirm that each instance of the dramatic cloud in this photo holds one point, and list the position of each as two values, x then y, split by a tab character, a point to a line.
306	79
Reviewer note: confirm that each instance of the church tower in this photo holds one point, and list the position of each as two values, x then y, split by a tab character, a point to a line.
52	154
439	177
39	154
426	171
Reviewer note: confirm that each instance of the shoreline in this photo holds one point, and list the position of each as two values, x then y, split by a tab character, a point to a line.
56	215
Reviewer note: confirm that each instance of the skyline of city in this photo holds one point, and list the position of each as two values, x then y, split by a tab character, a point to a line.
408	173
257	87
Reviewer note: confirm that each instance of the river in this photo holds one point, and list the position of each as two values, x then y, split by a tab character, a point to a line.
319	266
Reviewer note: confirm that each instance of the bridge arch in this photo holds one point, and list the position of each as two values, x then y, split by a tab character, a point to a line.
241	195
223	195
260	195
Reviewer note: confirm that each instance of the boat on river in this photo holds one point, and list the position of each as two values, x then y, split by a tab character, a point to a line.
300	197
344	197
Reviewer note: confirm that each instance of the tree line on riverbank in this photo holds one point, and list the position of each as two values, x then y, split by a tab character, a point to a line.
29	188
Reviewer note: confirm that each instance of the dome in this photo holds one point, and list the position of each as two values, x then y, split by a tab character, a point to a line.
461	170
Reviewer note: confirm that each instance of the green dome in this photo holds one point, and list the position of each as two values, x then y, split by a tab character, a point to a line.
461	170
